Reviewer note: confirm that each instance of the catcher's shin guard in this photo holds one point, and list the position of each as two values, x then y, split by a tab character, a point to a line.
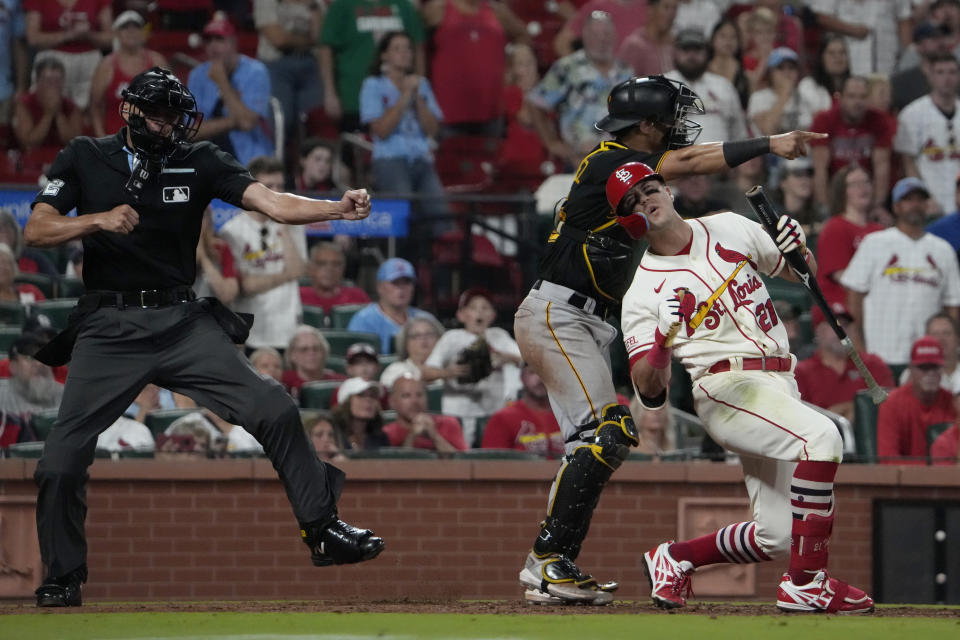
581	478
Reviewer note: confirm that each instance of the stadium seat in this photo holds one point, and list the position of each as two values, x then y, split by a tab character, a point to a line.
394	453
865	426
70	288
435	396
136	453
340	340
12	313
496	454
337	363
318	394
57	310
387	359
45	283
934	431
340	314
43	421
314	316
158	421
8	335
25	450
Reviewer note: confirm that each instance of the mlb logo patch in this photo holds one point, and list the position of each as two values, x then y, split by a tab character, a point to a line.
176	194
53	188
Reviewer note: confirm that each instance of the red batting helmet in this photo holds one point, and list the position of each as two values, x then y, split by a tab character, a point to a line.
621	181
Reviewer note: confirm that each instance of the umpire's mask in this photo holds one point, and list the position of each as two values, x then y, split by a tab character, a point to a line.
161	114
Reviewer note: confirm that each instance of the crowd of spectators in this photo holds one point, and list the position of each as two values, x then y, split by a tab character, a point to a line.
315	95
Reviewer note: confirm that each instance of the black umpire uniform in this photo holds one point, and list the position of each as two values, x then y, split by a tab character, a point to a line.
140	322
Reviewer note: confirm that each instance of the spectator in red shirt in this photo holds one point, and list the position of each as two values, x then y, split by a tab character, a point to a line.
29	260
306	360
468	63
829	379
911	408
850	200
521	154
415	427
327	289
45	117
73	32
527	424
858	135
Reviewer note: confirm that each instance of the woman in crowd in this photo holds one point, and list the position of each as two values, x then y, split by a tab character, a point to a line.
725	58
657	430
415	341
306	360
357	418
831	68
323	435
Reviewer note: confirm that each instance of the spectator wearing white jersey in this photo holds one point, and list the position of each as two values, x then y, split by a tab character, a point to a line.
927	131
903	266
723	118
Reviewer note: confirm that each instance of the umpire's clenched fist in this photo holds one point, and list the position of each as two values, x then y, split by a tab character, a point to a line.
120	219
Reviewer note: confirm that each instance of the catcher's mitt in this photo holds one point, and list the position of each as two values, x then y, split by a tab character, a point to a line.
477	357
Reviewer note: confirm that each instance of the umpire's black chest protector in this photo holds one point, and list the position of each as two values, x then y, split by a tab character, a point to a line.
91	174
598	268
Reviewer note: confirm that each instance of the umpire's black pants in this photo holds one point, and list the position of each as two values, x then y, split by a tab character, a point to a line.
180	347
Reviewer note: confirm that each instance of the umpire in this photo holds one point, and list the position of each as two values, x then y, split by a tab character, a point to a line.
140	197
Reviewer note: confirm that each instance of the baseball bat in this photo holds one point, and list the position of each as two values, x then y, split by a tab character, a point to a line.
764	209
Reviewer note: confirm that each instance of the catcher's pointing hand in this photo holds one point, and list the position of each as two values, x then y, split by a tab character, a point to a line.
793	144
669	323
790	235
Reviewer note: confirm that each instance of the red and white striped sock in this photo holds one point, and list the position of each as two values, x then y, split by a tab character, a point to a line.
735	543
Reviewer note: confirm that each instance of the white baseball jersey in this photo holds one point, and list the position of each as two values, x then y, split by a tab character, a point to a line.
924	133
258	250
905	281
724	119
797	114
742	322
877	53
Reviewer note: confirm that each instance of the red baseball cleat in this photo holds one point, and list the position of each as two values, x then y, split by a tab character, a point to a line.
823	594
670	583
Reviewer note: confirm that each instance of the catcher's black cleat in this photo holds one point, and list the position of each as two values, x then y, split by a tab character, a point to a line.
336	542
61	592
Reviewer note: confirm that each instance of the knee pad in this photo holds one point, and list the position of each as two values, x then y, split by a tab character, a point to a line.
576	491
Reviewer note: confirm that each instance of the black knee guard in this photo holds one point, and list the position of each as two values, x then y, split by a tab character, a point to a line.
581	479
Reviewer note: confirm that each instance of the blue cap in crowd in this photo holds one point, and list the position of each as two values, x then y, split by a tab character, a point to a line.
394	269
906	186
780	55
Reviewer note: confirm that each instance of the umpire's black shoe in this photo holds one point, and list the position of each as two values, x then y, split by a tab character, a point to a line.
336	542
61	592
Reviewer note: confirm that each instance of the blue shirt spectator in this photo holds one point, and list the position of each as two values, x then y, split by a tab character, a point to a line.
233	92
948	228
395	285
408	139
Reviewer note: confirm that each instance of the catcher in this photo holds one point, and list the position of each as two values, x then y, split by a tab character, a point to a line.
478	363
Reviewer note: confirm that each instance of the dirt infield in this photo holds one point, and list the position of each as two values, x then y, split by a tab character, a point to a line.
710	609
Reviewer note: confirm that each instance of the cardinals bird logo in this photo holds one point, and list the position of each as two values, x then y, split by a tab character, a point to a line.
733	257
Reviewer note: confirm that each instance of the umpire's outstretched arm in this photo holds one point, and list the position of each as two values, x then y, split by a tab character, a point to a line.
289	208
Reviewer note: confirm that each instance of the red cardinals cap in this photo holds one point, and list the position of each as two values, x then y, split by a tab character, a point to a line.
472	293
220	26
358	349
621	180
926	350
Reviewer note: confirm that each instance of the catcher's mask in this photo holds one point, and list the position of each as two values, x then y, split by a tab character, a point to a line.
160	112
658	99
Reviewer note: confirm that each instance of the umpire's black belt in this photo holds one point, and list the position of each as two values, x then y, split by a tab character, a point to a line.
572	297
145	299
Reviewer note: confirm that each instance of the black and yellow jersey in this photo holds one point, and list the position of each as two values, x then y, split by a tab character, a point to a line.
597	266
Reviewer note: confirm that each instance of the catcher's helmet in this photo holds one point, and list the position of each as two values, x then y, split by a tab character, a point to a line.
618	184
656	98
156	93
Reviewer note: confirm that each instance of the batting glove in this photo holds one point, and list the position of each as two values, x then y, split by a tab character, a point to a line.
790	235
669	322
